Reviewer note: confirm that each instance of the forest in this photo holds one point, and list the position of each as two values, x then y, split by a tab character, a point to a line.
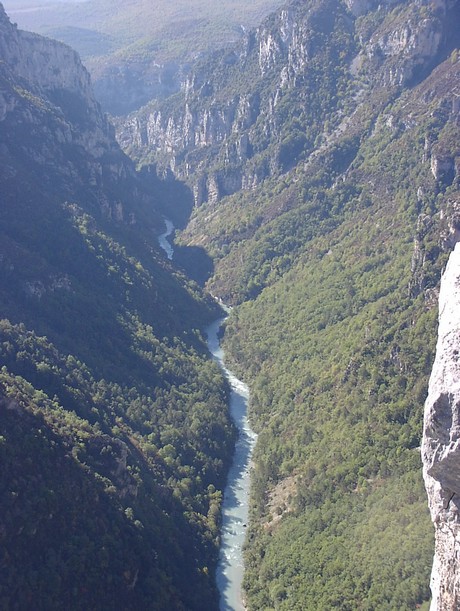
311	170
115	436
333	264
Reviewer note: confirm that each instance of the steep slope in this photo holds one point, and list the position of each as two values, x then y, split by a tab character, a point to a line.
235	124
323	156
340	348
259	108
114	432
440	443
142	49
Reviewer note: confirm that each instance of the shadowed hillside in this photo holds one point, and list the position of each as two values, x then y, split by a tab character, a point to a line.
114	432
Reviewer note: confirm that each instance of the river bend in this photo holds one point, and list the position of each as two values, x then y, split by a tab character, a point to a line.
230	567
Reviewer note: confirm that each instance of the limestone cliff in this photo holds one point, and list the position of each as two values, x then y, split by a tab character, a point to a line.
49	68
255	110
441	443
226	130
51	123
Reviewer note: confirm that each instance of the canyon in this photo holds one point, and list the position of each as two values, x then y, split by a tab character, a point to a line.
311	170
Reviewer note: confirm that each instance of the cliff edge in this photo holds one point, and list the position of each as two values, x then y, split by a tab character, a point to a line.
441	443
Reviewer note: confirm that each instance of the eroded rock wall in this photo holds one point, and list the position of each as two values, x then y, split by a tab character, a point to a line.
441	444
50	119
224	133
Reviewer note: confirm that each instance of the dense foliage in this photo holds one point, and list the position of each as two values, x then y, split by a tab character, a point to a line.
115	436
332	263
122	395
334	268
339	350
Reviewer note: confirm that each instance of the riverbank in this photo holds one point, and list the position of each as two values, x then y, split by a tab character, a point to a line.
235	506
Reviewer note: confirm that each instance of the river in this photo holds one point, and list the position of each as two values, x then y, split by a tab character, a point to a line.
230	567
165	244
235	506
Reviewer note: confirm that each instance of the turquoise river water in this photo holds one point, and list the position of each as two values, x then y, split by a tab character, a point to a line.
230	568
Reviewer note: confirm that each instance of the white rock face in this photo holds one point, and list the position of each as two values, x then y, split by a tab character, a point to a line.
46	102
442	168
408	46
51	74
46	63
441	444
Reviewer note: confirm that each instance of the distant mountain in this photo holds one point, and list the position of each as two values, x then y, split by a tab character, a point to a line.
114	432
323	154
143	49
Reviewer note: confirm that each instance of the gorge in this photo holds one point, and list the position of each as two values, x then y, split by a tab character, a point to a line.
312	173
115	435
323	159
235	503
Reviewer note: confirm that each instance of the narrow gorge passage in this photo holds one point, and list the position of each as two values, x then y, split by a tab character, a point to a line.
235	505
163	239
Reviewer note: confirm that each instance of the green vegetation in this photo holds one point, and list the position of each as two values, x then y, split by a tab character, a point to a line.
283	124
337	345
338	363
118	401
115	436
333	265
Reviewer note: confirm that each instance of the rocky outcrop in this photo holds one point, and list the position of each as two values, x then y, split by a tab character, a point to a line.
406	49
47	68
51	123
408	42
443	168
50	65
223	134
441	443
218	142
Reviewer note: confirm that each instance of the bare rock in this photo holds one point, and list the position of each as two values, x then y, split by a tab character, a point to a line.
443	168
441	444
